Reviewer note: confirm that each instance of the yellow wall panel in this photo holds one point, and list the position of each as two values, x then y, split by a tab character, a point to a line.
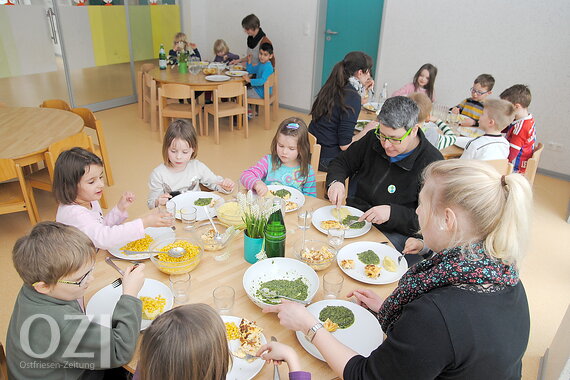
165	21
109	33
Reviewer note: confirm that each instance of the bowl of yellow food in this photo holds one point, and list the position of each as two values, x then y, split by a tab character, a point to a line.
230	214
209	71
317	254
176	265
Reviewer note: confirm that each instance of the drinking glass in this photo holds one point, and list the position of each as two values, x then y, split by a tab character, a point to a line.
336	237
188	216
180	285
332	284
171	209
224	299
304	216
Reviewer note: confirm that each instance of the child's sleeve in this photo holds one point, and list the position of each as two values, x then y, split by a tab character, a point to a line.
156	188
207	177
262	75
196	53
258	172
232	56
461	105
448	138
310	187
404	90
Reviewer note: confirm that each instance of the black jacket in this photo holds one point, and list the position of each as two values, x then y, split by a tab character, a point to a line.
381	182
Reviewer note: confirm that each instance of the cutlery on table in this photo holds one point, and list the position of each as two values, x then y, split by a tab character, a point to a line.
272	294
118	281
275	369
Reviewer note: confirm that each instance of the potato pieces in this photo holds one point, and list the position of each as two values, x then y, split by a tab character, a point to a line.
347	264
389	264
372	271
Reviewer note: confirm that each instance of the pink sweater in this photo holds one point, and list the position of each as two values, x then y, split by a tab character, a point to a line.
105	232
410	89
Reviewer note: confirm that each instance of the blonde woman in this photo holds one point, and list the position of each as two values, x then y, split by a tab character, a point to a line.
461	314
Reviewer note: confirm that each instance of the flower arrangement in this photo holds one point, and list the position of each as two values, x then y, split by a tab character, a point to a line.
183	55
256	212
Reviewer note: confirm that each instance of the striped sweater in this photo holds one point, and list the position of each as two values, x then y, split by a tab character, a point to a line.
471	108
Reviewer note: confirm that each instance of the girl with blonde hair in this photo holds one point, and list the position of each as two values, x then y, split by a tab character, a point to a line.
463	313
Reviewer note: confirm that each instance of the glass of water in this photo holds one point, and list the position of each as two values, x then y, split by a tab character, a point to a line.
335	237
188	217
304	216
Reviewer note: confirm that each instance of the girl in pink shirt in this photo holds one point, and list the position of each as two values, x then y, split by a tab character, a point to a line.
78	186
424	82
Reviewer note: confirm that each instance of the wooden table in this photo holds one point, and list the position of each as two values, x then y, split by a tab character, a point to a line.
27	132
211	273
198	82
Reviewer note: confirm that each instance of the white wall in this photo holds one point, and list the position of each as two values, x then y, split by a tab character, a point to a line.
290	25
517	41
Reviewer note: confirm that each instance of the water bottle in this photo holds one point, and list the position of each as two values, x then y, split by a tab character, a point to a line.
275	233
162	58
384	94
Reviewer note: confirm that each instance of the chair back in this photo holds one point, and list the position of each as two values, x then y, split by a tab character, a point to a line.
87	116
14	199
7	169
146	67
231	90
80	140
502	166
56	103
147	79
532	163
175	91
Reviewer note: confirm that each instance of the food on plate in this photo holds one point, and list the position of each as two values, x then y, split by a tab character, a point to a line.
369	107
139	245
355	225
297	289
289	205
340	213
312	256
204	202
360	125
368	257
347	264
209	242
250	337
238	68
190	251
281	193
372	271
232	331
209	71
152	307
330	224
341	315
330	325
389	264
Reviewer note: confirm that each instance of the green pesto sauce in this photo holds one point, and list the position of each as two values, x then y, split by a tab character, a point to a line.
281	193
355	226
341	315
368	257
294	289
202	201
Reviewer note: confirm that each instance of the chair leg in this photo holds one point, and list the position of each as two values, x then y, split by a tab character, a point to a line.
206	118
217	129
266	117
275	106
246	125
33	204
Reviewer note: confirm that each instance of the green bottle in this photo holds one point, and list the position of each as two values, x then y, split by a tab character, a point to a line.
275	233
162	58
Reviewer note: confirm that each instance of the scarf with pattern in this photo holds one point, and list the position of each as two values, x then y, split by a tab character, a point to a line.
253	41
449	267
359	87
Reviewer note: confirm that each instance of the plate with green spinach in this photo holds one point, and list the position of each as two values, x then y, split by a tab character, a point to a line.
348	214
294	198
198	199
361	331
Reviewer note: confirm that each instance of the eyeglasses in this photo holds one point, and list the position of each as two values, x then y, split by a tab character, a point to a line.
81	281
395	141
473	91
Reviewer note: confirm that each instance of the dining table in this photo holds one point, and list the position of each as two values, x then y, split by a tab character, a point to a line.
211	273
197	82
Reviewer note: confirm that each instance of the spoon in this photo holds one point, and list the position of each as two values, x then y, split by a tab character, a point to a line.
217	236
172	252
273	294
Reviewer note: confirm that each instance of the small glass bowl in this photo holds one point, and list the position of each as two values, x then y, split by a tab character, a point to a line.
316	263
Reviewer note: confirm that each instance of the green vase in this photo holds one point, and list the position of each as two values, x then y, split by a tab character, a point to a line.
251	247
183	67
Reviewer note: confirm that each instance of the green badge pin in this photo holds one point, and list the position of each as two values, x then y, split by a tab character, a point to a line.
391	189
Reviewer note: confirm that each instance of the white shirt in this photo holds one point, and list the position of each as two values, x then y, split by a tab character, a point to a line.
487	147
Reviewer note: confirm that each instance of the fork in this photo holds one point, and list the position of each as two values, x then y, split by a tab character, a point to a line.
246	357
400	257
118	281
275	369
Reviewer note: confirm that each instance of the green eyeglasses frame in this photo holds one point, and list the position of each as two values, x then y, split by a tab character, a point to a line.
392	140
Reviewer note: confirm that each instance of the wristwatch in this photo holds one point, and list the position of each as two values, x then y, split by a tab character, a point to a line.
310	335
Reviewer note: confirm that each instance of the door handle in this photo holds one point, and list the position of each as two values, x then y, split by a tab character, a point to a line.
331	32
50	14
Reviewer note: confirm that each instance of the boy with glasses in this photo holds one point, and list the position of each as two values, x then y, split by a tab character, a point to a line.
473	107
49	335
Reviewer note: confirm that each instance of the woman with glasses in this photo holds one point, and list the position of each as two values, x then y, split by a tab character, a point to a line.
389	163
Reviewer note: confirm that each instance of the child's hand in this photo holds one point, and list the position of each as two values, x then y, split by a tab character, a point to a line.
235	61
157	218
126	200
376	214
193	46
455	110
246	78
225	58
413	246
133	280
162	199
366	298
260	188
277	352
227	184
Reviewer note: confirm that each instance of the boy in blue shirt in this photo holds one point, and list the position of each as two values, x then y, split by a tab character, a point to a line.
262	71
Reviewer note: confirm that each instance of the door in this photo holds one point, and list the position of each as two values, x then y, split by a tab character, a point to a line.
351	26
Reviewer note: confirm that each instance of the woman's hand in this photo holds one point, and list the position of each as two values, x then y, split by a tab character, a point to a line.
413	246
133	280
126	200
377	214
227	184
162	199
293	315
369	84
367	298
157	218
277	352
336	193
260	188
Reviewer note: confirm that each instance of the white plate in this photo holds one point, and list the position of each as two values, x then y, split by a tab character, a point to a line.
472	132
372	106
237	67
296	195
242	369
102	304
325	213
155	233
236	73
350	251
188	198
217	78
364	336
359	128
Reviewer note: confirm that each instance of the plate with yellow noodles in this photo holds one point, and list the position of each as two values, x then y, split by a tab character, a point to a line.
371	262
156	296
151	235
294	199
237	329
326	218
349	323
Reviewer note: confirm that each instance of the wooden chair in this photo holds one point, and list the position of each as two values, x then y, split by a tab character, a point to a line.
3	364
143	90
268	100
502	166
236	93
56	103
15	195
101	148
43	179
176	110
532	163
320	176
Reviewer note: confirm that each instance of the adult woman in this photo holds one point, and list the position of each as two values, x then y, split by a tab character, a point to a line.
335	110
463	313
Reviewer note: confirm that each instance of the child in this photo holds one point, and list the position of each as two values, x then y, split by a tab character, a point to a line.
288	164
255	37
432	128
496	116
262	71
78	186
181	44
181	171
278	352
49	336
473	107
520	133
222	52
424	82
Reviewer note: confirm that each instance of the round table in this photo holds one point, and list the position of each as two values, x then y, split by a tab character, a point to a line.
27	132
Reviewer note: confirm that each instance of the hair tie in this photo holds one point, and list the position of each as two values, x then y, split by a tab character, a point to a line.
503	182
292	126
